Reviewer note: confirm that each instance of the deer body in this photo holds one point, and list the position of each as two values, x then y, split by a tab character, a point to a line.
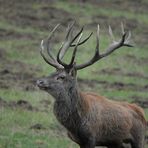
91	120
94	120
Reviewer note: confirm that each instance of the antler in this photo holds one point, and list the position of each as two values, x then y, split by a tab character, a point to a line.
68	42
53	62
112	47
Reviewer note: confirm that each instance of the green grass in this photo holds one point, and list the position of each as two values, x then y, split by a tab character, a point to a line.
16	123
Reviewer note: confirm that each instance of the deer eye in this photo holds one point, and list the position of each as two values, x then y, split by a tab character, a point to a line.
61	78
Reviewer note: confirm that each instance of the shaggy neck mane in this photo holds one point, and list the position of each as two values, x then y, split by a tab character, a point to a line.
68	109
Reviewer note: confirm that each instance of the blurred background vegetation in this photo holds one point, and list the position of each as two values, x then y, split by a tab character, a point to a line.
26	118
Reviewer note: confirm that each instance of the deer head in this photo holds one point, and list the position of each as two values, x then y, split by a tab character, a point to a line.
64	79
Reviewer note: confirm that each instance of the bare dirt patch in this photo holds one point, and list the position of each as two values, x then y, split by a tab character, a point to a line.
2	54
36	14
19	75
143	102
37	126
21	104
125	5
11	34
117	71
11	79
112	86
45	103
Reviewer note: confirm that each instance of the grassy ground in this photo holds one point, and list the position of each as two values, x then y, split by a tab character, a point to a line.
26	118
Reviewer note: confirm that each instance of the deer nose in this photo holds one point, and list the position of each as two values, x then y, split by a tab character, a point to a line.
39	82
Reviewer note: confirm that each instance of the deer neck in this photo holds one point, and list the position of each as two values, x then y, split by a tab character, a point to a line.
67	108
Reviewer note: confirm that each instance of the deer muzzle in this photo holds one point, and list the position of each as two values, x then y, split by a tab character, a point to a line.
42	84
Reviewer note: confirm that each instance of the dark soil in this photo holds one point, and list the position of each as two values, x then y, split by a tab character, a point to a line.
117	71
126	5
113	86
24	78
37	126
45	103
21	104
143	102
11	34
24	15
2	54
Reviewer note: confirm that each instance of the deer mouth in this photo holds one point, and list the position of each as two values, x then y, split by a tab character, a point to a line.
44	87
41	85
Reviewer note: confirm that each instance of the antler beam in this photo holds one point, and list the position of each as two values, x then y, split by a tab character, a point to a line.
112	47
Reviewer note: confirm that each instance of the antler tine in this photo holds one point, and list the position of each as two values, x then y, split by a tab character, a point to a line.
48	43
77	35
59	56
128	40
67	41
72	45
112	47
129	36
111	33
96	56
75	49
122	28
67	44
69	32
117	44
50	53
97	38
46	60
53	62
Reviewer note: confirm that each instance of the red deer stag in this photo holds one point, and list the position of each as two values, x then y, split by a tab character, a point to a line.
91	120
